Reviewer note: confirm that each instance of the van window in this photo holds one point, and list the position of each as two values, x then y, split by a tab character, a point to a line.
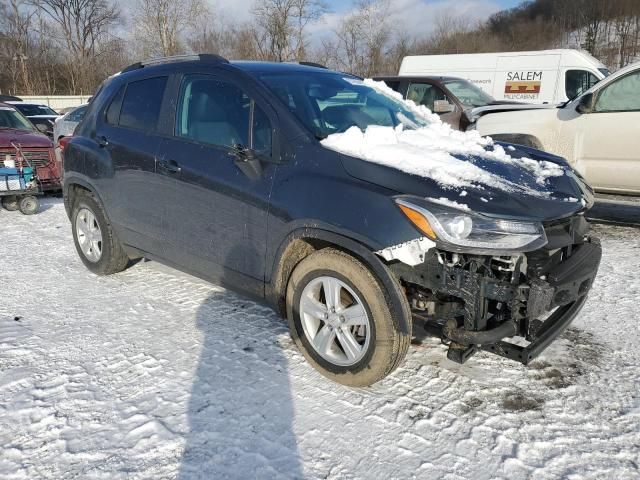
218	113
578	81
141	104
620	96
425	94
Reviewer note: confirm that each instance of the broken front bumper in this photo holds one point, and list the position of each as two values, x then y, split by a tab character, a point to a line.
558	291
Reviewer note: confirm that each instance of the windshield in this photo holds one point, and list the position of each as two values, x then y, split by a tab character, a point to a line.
31	110
10	118
327	103
468	94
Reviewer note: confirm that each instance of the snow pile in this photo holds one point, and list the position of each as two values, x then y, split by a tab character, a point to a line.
436	151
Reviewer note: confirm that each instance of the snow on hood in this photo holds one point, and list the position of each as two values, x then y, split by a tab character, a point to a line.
436	151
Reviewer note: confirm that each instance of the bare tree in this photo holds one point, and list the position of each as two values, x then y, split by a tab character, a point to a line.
281	27
81	27
363	37
160	25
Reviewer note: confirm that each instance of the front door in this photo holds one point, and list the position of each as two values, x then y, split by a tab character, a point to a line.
426	94
609	138
218	219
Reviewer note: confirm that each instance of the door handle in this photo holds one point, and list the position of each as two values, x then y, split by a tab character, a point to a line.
102	141
169	166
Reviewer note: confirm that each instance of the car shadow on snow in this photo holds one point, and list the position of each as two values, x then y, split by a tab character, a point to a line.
240	410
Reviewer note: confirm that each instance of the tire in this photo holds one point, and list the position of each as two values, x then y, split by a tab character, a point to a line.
10	203
28	205
108	255
388	335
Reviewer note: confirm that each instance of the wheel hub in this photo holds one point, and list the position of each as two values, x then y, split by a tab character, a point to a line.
335	321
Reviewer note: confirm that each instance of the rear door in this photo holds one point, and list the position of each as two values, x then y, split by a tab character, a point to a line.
608	138
218	215
128	133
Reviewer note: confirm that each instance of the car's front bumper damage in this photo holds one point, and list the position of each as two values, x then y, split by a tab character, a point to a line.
474	302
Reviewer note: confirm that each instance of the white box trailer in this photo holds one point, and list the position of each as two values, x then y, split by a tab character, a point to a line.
544	76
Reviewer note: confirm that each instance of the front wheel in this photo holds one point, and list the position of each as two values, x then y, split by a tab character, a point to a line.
340	317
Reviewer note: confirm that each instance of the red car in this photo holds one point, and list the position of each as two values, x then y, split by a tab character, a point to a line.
18	134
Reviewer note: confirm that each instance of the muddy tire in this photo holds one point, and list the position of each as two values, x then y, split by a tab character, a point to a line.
10	203
95	241
29	205
342	320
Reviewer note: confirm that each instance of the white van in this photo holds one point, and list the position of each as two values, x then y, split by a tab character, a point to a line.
544	76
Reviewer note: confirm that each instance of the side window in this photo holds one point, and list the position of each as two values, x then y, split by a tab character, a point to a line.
219	113
425	94
141	104
578	81
77	114
621	95
112	113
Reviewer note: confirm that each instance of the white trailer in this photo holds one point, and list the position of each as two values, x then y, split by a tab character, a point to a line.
545	76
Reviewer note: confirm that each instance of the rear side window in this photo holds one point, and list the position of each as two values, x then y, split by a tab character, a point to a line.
141	104
113	110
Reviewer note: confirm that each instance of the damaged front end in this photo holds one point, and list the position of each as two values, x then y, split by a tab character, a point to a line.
475	301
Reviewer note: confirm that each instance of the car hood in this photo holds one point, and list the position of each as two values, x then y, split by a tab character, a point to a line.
25	138
527	198
478	112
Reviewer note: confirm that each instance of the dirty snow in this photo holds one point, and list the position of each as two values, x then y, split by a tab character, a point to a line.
152	374
436	151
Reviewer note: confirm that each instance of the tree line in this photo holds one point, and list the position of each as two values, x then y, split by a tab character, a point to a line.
70	46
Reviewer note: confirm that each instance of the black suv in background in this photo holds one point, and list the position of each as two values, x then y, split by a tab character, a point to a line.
218	168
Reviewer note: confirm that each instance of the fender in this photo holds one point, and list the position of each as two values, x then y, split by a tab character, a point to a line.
277	277
75	178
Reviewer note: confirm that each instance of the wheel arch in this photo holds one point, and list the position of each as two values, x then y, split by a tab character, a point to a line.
304	241
74	184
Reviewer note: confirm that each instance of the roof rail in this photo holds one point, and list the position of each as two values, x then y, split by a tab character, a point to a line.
313	64
202	57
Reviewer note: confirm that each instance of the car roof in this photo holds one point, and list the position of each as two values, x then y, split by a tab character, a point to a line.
22	102
250	67
435	78
277	67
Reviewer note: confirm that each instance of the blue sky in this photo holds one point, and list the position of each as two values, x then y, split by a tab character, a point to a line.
341	5
414	17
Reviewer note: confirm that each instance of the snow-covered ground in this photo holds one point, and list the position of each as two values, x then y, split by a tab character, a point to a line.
154	374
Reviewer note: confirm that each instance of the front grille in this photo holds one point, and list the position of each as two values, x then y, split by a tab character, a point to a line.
33	157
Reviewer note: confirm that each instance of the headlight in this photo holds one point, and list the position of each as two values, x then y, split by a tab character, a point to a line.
463	231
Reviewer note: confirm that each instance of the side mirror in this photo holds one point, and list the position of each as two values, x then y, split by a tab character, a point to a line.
585	104
442	106
42	128
247	161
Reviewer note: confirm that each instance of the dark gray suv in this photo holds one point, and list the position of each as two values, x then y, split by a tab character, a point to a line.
222	169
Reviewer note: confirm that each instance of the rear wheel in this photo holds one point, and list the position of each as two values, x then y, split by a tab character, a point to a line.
341	319
95	241
28	205
10	203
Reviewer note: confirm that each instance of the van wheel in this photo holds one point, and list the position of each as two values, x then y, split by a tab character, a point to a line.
341	319
95	242
10	203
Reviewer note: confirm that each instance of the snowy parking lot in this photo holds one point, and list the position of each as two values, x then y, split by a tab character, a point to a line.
155	374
